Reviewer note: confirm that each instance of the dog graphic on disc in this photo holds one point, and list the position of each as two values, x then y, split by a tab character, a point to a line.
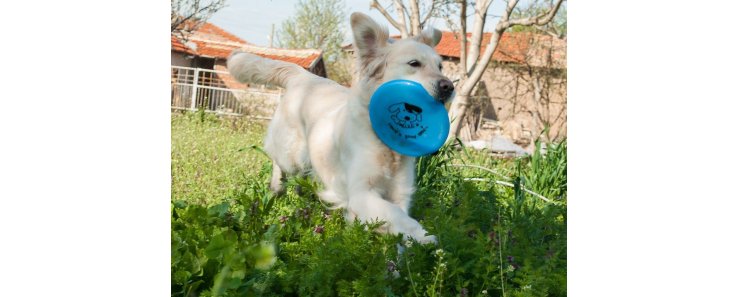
405	115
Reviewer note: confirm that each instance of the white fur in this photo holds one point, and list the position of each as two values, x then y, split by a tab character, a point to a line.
323	127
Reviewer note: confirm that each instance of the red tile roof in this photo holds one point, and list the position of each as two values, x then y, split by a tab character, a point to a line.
213	42
179	47
214	33
521	47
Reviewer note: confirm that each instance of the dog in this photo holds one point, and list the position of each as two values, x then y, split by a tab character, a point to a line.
324	128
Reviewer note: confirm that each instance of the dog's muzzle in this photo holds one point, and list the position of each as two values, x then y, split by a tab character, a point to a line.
444	90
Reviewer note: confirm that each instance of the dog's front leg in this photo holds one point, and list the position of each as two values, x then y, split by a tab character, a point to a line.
402	185
369	206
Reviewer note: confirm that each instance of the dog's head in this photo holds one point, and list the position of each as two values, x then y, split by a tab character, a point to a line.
381	60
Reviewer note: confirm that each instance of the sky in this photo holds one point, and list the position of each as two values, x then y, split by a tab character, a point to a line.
251	20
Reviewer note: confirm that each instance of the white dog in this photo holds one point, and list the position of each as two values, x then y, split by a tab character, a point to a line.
325	127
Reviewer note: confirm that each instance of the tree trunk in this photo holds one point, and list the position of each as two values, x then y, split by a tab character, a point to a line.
415	18
539	121
463	40
477	64
401	18
460	103
481	11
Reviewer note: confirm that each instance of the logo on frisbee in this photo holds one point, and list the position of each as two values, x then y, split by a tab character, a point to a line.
405	115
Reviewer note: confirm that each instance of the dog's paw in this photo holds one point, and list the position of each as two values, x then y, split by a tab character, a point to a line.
422	238
428	239
277	189
413	230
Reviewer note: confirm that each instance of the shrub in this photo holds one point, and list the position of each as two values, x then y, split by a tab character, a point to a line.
239	240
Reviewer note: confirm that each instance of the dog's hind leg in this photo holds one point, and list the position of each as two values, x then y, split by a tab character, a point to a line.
276	183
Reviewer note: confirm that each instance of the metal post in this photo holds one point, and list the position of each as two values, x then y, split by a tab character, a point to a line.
195	88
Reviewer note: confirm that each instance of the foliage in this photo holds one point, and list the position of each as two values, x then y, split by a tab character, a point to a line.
240	240
558	26
340	70
546	174
317	24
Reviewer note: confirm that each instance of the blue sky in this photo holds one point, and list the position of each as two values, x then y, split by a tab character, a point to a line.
251	20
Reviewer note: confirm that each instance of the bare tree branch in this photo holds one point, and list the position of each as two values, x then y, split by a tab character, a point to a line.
374	4
405	10
550	31
539	20
429	14
192	13
509	9
481	10
463	39
401	11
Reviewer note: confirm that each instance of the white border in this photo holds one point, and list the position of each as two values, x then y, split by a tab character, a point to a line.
651	123
85	149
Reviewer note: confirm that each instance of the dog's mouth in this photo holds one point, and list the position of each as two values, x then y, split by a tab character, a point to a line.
443	96
443	99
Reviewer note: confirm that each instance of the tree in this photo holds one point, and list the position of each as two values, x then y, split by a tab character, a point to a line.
473	63
412	16
318	24
542	75
187	15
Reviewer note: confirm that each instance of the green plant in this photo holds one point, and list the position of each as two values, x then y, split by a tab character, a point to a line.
546	173
232	237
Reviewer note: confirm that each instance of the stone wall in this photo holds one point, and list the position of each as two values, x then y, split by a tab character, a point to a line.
506	99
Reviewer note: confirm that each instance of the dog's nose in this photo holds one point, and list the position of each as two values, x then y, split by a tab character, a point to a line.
445	88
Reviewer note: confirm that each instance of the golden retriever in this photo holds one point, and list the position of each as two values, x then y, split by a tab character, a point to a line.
324	128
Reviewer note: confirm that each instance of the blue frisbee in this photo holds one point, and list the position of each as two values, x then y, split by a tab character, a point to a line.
407	119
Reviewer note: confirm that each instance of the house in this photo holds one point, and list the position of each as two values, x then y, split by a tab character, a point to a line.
209	46
523	90
203	53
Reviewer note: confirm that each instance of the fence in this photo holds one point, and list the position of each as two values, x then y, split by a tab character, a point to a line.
218	92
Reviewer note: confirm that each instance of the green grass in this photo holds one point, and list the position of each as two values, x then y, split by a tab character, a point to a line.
210	156
232	237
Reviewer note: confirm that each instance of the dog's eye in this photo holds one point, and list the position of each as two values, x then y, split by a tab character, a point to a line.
414	63
440	67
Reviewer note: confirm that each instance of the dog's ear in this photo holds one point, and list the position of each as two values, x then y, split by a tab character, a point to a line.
430	36
369	36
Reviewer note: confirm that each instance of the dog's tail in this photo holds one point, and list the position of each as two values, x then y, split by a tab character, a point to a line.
246	67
